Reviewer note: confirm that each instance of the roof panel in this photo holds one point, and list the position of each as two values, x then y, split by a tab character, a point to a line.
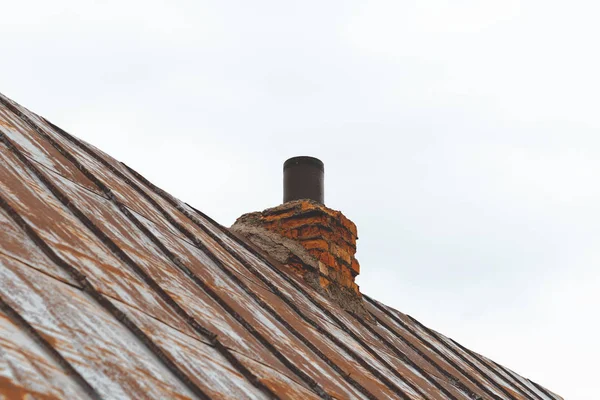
134	294
17	245
27	369
426	357
144	253
107	355
37	149
198	360
232	293
72	241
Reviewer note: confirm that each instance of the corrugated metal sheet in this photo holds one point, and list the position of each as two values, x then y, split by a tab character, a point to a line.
111	288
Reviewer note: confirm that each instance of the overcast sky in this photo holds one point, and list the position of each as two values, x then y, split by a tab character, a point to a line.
462	137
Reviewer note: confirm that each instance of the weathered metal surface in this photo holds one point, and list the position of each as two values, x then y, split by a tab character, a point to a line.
73	242
176	306
491	379
231	294
123	191
26	368
167	275
17	245
421	353
38	149
525	385
201	362
106	354
397	366
209	274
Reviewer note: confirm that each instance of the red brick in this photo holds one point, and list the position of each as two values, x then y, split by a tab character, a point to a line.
326	234
341	253
351	226
298	221
277	217
310	231
327	259
315	244
355	266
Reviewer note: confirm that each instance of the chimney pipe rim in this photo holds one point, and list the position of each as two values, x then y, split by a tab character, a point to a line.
290	162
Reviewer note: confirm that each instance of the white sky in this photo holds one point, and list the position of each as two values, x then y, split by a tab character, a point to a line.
462	137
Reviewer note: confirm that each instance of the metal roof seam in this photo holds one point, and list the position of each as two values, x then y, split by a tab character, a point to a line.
37	337
322	330
88	287
543	389
432	348
481	360
158	352
99	233
197	242
405	358
445	375
353	354
313	384
339	343
124	257
325	358
513	376
231	311
144	312
303	339
273	288
525	391
134	239
10	257
457	354
209	343
244	287
46	168
204	248
462	357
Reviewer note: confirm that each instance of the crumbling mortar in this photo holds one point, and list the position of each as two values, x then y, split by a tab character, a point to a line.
323	232
285	250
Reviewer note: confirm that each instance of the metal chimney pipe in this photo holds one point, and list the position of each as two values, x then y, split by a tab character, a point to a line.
303	178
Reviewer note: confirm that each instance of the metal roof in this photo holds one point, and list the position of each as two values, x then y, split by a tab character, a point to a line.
111	288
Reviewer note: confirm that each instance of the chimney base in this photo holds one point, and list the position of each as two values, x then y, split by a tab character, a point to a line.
314	241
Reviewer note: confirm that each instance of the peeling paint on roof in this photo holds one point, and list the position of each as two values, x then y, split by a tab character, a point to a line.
110	288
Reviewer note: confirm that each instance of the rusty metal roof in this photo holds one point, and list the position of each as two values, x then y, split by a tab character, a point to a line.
110	288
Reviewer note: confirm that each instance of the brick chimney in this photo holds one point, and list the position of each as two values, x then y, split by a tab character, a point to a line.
314	241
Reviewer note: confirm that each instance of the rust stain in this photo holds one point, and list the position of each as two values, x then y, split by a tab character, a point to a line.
159	301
